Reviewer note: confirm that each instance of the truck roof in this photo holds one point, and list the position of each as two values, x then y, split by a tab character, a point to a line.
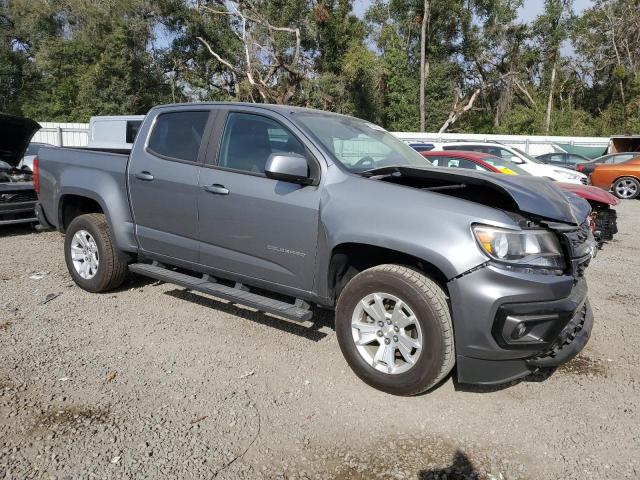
282	109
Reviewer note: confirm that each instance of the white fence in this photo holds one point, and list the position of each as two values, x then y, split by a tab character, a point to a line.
77	135
63	134
534	145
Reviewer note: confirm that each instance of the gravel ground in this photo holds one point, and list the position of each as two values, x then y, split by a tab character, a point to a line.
152	381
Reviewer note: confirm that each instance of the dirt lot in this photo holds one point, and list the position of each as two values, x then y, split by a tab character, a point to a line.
153	381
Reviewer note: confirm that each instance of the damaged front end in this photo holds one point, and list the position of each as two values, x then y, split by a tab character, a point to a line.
17	194
17	197
513	318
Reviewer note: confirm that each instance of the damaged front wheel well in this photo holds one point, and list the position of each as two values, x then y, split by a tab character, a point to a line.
349	259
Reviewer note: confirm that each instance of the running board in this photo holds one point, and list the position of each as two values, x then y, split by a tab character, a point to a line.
238	294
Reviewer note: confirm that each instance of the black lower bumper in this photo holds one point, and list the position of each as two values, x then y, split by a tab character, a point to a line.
508	325
570	342
17	203
17	212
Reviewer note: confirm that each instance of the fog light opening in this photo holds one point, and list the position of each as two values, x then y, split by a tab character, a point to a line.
519	332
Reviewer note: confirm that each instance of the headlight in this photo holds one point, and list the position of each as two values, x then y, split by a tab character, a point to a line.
521	248
569	175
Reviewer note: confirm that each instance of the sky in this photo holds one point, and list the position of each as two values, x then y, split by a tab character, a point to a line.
528	12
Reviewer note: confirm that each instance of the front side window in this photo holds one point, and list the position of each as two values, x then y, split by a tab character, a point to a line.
178	135
249	140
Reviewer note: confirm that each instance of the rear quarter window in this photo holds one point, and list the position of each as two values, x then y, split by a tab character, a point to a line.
132	130
178	135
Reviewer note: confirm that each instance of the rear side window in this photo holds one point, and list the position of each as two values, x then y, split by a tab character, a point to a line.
621	158
556	159
249	140
178	135
132	129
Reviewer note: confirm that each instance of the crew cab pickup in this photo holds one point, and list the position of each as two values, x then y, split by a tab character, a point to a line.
282	209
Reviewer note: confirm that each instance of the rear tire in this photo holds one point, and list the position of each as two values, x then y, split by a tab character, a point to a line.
392	307
626	188
92	259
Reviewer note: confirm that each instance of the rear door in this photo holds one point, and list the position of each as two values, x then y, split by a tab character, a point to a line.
163	183
250	224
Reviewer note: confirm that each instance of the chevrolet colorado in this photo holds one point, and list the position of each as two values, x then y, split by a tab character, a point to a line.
280	208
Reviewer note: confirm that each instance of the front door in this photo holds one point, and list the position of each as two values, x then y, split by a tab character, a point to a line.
163	185
250	224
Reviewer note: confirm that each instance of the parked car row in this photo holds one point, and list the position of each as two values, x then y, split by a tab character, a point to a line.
618	172
514	155
603	217
586	165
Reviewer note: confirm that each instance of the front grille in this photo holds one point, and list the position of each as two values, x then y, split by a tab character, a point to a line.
585	181
18	197
606	224
581	245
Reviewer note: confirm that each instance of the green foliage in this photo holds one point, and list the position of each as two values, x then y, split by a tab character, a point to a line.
69	59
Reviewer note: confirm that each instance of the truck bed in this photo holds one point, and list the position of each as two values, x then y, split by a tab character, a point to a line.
87	170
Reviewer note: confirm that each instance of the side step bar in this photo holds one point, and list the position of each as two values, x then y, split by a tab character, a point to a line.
236	295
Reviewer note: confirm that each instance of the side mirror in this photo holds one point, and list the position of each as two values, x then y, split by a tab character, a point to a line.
288	167
516	159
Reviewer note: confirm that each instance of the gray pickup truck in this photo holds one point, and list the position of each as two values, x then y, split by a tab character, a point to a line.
281	209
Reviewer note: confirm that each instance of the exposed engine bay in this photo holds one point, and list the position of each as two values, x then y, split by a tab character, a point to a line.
17	195
9	174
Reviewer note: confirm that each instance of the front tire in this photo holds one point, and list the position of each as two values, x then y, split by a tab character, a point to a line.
626	188
394	328
92	259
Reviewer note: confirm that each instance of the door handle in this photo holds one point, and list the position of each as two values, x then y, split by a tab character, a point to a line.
146	176
217	189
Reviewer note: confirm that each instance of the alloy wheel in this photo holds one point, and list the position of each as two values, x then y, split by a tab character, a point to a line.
84	254
626	188
386	333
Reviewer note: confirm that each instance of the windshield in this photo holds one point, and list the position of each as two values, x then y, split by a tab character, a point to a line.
357	144
527	156
505	166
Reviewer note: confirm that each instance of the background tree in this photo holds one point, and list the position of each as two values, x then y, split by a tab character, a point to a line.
436	65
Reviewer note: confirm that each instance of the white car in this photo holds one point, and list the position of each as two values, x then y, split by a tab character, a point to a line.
522	159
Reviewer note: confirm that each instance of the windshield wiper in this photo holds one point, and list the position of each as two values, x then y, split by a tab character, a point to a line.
389	170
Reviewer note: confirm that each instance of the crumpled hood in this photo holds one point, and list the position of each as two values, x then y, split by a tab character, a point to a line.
533	195
15	135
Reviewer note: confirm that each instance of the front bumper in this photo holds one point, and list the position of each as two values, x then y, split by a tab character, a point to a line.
509	324
17	204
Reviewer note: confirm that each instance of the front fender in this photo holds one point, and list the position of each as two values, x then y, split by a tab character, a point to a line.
433	227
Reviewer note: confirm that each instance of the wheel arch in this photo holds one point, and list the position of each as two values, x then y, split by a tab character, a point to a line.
620	177
72	205
635	176
350	258
74	201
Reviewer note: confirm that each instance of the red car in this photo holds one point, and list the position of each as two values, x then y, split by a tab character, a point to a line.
603	217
